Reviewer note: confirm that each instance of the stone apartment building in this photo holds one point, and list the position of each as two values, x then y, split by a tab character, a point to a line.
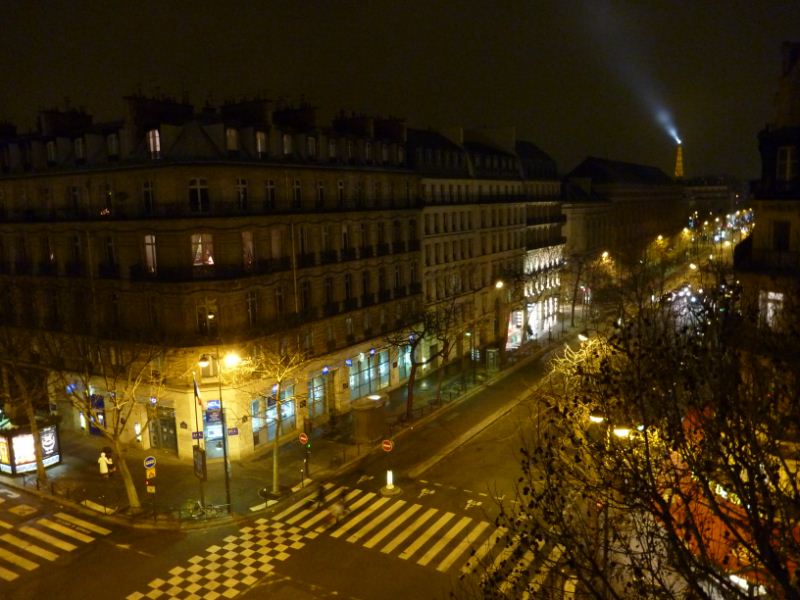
208	231
768	261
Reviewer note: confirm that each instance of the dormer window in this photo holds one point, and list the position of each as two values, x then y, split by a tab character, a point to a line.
112	143
787	163
261	144
51	152
154	143
232	139
80	150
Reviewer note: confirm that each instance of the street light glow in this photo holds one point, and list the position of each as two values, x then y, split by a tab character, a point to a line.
232	359
622	432
499	284
204	361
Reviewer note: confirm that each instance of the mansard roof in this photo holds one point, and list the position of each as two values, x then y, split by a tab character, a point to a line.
601	170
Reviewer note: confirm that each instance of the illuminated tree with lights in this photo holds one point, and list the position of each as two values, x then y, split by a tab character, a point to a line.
663	463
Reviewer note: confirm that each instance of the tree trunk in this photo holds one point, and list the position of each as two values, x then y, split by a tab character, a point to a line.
41	474
575	293
276	442
127	479
412	376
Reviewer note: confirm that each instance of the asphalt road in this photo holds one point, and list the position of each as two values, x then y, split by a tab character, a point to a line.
412	543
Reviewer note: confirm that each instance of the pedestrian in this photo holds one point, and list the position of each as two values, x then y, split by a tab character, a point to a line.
338	510
320	496
105	465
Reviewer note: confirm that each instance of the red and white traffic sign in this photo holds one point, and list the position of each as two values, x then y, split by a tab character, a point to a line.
303	438
387	445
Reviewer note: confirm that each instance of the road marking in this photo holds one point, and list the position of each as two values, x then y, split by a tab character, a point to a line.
445	539
516	570
82	523
472	504
28	547
46	537
17	560
429	533
291	509
536	583
394	525
23	510
7	575
66	530
376	521
350	523
6	525
483	549
407	533
426	492
462	546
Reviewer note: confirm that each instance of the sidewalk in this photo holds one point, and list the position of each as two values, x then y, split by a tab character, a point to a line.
76	480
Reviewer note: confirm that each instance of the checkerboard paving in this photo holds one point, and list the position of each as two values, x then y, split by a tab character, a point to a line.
225	571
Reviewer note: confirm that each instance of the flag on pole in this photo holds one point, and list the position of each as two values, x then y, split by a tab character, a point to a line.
197	392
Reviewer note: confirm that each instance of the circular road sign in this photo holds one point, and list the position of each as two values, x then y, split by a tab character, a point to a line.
387	445
149	462
303	438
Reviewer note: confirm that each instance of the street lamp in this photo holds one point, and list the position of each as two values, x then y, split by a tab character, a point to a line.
231	360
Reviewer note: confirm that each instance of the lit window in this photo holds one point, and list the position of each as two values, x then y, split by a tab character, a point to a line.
154	143
261	143
150	261
202	249
207	317
248	250
787	163
770	305
232	139
287	144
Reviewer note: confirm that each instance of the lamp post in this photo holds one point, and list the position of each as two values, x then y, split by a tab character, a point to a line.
231	360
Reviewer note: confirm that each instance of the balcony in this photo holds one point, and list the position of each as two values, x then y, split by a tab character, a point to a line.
75	269
385	295
306	260
351	303
47	267
23	267
327	257
108	271
382	249
413	245
347	254
366	252
331	309
367	299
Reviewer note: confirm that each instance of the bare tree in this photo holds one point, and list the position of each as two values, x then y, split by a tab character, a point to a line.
276	367
23	384
435	325
125	376
660	468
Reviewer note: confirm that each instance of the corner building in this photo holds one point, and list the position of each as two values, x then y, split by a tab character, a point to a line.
222	229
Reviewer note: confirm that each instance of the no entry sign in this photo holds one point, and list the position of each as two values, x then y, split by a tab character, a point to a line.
303	438
387	445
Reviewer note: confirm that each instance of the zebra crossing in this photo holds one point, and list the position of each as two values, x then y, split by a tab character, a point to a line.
23	548
410	531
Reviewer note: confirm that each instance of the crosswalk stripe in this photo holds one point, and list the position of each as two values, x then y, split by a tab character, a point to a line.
429	533
483	549
443	541
351	523
28	546
66	530
82	523
375	539
407	533
291	509
376	521
516	571
17	560
7	575
46	537
462	546
6	525
536	583
500	558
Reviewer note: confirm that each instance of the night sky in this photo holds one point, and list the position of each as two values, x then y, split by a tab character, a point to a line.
575	78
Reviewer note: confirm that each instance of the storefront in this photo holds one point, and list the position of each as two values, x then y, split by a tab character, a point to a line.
369	372
17	448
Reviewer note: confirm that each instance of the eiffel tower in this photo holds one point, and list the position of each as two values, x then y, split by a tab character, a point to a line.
679	162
